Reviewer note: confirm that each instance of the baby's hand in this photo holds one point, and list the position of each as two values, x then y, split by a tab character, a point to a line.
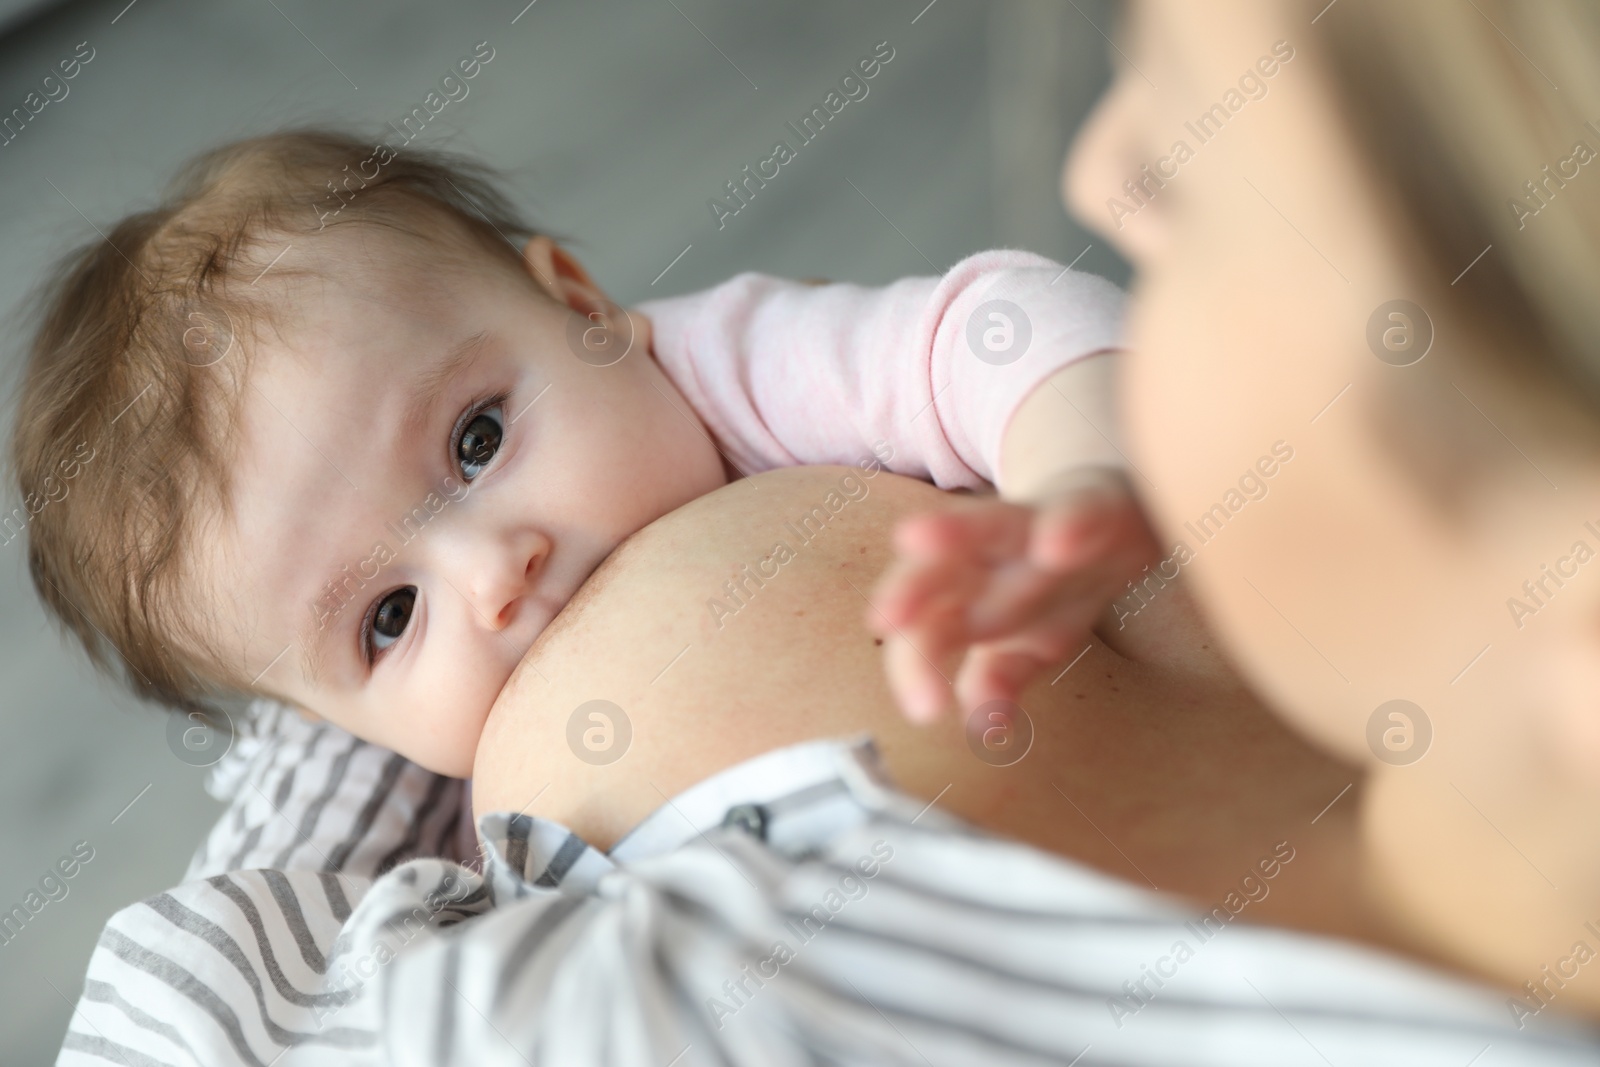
1005	590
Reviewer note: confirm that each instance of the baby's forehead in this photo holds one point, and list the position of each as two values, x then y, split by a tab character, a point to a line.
359	290
351	267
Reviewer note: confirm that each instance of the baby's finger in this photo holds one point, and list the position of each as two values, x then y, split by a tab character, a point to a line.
918	686
1061	540
986	531
1017	596
938	639
1001	670
1012	595
1065	537
991	673
909	586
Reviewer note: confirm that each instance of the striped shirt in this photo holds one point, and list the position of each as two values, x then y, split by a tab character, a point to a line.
794	909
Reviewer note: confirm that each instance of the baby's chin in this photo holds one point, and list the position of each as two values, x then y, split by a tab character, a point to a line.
452	757
452	750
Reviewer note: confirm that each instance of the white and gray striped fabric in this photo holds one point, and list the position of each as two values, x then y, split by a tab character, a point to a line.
793	910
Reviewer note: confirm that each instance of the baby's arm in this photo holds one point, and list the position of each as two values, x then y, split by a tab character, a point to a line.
785	373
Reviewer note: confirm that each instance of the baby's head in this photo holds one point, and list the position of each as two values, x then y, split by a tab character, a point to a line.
348	449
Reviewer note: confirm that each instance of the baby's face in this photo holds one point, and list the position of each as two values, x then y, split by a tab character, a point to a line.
427	473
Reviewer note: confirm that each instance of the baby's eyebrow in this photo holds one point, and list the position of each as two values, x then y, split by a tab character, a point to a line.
313	641
425	393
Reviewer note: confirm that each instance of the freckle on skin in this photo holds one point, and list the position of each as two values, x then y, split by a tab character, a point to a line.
877	640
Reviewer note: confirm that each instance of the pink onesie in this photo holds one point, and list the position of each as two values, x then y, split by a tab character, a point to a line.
784	373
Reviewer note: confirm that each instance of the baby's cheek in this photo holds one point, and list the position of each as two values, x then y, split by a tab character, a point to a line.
449	750
441	719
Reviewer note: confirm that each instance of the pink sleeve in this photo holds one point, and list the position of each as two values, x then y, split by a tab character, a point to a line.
785	373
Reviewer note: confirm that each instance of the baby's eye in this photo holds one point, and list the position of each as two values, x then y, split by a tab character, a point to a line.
387	621
477	440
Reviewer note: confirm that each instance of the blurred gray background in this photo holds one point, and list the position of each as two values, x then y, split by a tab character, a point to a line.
614	122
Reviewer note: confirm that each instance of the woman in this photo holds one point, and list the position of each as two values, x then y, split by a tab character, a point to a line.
1305	172
1411	173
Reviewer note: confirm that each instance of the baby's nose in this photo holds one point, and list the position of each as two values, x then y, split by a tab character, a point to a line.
503	576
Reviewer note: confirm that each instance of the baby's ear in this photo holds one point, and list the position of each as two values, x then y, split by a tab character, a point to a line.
559	274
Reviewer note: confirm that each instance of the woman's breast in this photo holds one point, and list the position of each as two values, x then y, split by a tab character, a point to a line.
735	625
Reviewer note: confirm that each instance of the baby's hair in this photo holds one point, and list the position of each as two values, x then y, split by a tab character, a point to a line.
135	372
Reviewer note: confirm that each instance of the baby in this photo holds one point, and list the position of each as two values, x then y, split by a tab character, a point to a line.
357	460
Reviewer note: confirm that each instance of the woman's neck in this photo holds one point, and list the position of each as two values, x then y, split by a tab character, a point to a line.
1530	922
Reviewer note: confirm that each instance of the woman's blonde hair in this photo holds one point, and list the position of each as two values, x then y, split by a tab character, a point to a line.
1481	119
